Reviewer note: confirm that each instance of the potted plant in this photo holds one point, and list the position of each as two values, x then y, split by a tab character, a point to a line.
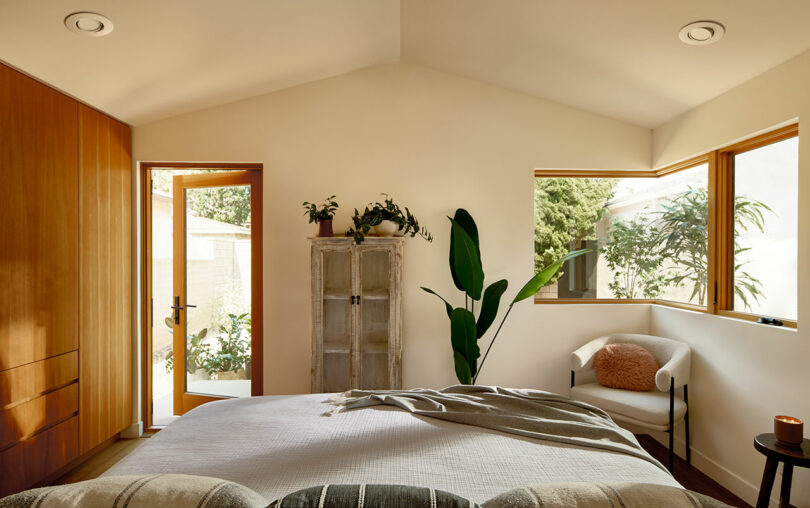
387	219
198	351
468	276
322	215
229	358
233	349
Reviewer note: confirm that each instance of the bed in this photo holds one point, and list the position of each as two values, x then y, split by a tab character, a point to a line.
279	444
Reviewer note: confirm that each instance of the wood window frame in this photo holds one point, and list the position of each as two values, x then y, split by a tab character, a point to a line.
720	262
146	279
724	257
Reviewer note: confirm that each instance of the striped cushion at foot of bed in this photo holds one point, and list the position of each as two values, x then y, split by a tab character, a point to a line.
147	491
371	496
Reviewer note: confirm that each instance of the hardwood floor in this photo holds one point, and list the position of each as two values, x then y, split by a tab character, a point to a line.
102	461
689	476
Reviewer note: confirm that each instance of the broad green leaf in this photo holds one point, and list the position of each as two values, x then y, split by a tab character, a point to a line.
465	220
543	276
489	306
447	305
462	336
467	261
462	369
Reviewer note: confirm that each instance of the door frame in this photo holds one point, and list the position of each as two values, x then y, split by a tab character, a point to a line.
257	342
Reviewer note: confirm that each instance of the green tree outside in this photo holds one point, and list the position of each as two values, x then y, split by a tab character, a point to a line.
566	213
635	259
649	253
683	224
225	204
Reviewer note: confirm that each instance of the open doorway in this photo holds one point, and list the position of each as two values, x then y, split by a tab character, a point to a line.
201	286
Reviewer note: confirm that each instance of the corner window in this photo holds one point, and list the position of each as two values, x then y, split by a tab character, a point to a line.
647	235
717	233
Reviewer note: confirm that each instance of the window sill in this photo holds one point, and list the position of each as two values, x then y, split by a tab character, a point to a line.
728	314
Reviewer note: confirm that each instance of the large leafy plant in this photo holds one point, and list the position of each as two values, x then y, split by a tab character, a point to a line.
231	354
198	351
468	276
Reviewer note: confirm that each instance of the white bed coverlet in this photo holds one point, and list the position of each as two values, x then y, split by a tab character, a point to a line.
279	444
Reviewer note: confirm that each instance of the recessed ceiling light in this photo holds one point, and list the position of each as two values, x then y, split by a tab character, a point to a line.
700	33
88	23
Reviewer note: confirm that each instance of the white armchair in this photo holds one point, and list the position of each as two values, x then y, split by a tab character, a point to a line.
659	409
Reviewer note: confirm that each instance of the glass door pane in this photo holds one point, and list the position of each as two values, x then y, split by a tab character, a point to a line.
162	295
766	208
337	320
375	311
218	292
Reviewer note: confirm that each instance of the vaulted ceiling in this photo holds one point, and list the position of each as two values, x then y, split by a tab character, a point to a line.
617	58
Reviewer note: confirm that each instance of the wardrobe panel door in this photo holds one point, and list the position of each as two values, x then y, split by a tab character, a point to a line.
105	318
39	295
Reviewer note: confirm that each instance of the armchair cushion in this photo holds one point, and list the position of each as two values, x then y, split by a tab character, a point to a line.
644	407
674	357
625	366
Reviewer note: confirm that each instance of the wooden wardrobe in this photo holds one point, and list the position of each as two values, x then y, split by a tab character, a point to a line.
65	280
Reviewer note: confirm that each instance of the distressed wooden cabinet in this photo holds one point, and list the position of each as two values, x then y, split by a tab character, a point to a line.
356	314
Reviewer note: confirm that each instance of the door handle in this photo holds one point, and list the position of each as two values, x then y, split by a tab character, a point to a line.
177	308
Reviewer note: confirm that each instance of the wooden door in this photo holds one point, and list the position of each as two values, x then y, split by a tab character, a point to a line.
211	358
39	283
105	274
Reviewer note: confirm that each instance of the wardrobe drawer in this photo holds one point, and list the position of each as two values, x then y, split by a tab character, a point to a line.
29	381
31	461
24	420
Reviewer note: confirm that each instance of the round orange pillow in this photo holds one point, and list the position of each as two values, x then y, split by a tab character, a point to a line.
625	366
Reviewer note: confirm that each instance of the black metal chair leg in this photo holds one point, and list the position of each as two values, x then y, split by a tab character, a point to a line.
671	423
686	423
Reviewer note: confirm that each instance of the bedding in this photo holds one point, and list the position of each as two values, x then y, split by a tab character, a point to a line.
530	413
275	445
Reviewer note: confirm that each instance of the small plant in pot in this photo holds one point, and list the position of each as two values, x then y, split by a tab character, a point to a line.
322	215
387	219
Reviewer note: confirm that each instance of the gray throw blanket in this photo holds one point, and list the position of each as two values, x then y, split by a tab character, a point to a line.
530	413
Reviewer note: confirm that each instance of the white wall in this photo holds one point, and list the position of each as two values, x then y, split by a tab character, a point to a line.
435	142
745	373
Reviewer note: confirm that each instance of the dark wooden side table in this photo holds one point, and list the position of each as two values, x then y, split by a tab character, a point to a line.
776	453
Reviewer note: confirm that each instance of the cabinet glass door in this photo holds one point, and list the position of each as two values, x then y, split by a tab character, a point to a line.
375	293
337	320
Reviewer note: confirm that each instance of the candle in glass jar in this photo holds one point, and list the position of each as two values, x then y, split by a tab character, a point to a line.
788	430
